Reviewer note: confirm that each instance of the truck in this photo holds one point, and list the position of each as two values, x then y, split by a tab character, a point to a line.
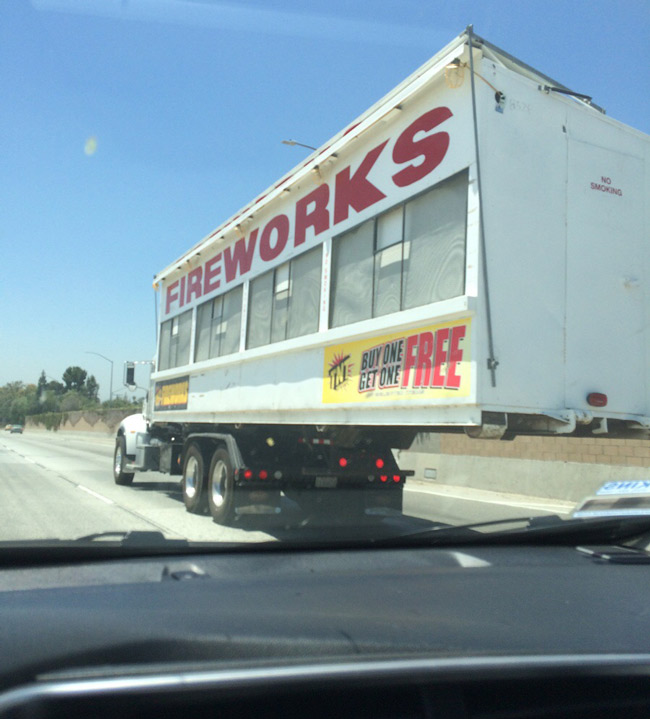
468	255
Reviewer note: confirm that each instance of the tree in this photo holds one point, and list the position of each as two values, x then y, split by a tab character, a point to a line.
47	393
16	401
92	388
9	393
48	401
56	387
74	378
122	402
72	401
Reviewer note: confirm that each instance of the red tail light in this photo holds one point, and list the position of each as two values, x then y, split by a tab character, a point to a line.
596	399
248	474
263	474
343	462
379	463
396	478
384	478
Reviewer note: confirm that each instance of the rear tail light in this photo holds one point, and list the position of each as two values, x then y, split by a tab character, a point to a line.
383	478
596	399
248	474
379	463
263	474
343	462
396	478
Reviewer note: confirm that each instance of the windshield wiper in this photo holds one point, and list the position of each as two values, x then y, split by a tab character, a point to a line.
104	545
548	529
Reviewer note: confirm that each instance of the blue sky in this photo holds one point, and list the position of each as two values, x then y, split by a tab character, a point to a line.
188	101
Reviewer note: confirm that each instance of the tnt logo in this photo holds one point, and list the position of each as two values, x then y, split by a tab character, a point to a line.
340	371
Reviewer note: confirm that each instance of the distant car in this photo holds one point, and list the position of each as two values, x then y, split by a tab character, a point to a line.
8	427
16	429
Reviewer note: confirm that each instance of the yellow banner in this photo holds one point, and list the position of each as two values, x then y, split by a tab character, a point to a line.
428	362
172	394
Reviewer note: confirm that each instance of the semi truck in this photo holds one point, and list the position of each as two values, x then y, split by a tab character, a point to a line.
468	255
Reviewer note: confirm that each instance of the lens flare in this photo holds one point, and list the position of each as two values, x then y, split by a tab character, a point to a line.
91	146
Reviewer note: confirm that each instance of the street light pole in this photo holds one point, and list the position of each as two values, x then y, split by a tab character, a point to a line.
292	143
88	352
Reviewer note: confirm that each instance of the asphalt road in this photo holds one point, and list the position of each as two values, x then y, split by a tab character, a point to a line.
53	485
58	485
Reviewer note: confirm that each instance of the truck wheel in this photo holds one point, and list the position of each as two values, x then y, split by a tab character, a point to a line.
119	461
194	480
221	488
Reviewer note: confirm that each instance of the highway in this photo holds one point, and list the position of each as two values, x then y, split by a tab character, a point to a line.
60	485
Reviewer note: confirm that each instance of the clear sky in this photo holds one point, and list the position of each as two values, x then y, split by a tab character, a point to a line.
187	102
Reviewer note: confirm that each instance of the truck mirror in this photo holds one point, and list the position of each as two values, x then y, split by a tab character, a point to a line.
129	375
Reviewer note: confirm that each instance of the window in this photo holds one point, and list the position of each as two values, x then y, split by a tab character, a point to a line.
259	310
280	303
434	244
175	341
218	325
409	256
302	318
283	303
352	268
388	262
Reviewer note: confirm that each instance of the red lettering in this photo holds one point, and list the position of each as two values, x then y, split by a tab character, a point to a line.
356	191
172	296
210	276
455	356
318	217
440	357
194	283
280	226
431	149
240	257
423	369
182	292
409	359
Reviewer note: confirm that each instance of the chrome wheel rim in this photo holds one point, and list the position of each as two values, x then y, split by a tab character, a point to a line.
218	483
118	459
191	477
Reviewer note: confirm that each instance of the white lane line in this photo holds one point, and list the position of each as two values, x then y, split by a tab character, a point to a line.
167	531
559	506
95	494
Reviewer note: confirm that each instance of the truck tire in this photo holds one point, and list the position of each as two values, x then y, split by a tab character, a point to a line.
119	461
221	488
194	480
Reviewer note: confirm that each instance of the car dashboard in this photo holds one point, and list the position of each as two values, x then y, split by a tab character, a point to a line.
420	632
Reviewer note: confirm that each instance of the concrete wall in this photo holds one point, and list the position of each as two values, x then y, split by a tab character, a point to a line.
565	468
99	422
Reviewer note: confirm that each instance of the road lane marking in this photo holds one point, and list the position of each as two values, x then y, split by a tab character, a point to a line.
167	531
96	494
558	506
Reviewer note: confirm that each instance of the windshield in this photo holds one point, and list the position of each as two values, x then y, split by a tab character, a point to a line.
398	268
